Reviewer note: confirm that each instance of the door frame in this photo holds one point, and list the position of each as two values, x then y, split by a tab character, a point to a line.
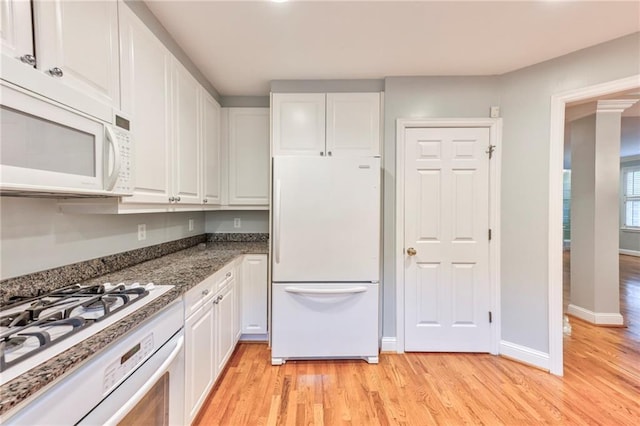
556	156
495	138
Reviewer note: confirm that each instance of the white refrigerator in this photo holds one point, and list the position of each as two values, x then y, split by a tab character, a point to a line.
325	258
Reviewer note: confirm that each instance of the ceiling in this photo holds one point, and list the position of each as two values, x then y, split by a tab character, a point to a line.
240	46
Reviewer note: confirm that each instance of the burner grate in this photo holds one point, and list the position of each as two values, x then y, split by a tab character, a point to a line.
74	307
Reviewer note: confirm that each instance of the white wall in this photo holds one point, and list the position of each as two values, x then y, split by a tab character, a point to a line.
35	236
525	105
250	222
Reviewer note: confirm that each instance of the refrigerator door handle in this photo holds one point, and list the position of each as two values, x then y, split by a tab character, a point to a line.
276	221
326	291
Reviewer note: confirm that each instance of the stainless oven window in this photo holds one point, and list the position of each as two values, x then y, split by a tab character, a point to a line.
32	142
153	409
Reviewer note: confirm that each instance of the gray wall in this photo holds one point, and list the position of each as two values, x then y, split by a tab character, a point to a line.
525	106
319	86
35	236
251	221
421	97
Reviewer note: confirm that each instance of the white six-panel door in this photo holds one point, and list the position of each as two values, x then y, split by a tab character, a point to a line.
447	285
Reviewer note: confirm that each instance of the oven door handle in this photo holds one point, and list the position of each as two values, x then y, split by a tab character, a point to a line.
137	397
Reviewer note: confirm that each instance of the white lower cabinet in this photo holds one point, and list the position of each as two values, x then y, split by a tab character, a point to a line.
225	336
200	369
254	296
230	302
209	335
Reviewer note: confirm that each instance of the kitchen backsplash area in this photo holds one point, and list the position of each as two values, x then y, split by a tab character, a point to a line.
44	281
36	236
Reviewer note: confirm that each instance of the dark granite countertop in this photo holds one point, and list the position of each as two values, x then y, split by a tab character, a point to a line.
183	269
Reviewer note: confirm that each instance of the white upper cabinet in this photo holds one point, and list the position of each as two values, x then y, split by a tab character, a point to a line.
77	43
210	135
353	124
248	156
186	144
333	124
298	123
66	51
16	34
146	79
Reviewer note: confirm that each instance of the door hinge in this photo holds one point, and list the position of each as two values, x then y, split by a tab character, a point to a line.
490	317
490	151
489	234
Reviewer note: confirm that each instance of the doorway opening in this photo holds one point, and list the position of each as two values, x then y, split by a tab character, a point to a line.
559	103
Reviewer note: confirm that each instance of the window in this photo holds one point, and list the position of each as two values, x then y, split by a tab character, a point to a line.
631	196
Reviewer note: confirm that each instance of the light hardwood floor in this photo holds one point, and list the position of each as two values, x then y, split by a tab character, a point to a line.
601	384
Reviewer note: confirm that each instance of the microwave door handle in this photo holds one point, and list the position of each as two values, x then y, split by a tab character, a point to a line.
137	397
111	178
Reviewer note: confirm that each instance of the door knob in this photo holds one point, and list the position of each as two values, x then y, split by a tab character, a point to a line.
411	251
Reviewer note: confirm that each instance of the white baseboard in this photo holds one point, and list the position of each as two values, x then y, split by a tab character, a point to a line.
389	344
630	252
525	354
254	337
599	318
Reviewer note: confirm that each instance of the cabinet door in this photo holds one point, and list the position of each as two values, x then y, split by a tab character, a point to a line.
81	39
199	359
353	124
15	31
146	69
254	294
225	338
186	153
210	126
298	123
249	156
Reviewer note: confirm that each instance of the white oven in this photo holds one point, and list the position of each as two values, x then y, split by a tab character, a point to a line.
138	380
48	148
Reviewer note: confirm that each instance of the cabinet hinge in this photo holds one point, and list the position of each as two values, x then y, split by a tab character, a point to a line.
490	317
490	151
489	234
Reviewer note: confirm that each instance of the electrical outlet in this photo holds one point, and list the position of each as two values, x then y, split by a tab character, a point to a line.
237	223
142	232
494	112
190	224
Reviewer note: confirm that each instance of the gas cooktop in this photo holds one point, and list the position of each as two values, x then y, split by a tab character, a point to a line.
35	329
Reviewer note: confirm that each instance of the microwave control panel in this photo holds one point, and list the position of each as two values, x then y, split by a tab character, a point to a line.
124	183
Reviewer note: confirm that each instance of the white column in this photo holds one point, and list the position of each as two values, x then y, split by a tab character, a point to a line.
595	216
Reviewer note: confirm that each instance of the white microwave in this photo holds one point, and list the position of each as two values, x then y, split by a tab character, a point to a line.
48	149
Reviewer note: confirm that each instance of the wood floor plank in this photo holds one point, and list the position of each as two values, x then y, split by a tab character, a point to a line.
601	384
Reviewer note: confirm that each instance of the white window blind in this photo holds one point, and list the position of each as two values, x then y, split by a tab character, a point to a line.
631	176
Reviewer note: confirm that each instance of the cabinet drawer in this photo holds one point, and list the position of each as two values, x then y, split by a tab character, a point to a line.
209	287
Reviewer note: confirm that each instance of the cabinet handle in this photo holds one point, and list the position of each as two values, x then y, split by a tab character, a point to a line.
321	153
228	274
205	292
205	201
329	153
55	72
172	199
28	59
177	198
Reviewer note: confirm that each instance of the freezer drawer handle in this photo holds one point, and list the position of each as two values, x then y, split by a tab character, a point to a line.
351	290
